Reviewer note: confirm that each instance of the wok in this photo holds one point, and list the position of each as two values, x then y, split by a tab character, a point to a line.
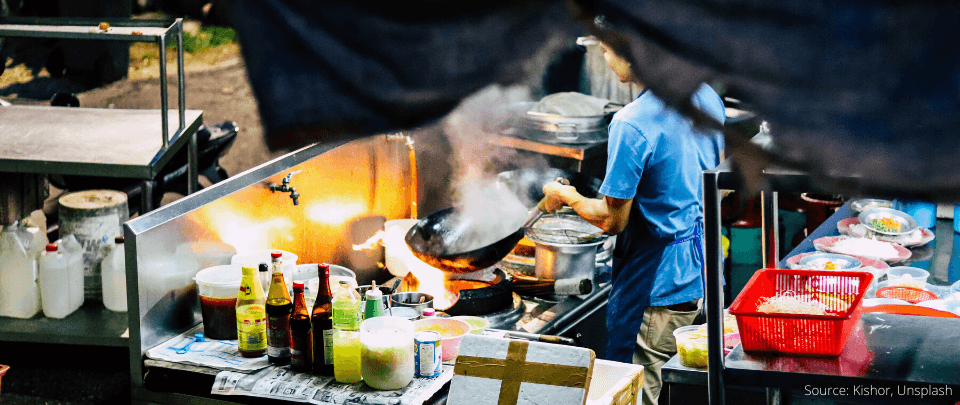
435	238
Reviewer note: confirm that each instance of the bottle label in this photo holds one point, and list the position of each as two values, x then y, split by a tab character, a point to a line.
251	328
346	316
300	348
278	336
328	346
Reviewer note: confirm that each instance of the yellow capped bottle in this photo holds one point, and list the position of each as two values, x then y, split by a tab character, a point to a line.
251	315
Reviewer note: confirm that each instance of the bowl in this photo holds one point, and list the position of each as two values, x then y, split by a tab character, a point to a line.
819	260
908	276
864	204
403	312
477	324
451	333
411	299
907	223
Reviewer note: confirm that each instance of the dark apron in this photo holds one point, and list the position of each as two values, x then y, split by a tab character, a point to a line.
632	287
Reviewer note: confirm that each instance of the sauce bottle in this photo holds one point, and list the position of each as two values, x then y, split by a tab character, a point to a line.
346	338
322	320
251	316
301	336
279	306
265	279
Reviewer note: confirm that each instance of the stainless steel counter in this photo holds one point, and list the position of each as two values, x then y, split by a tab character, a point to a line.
884	351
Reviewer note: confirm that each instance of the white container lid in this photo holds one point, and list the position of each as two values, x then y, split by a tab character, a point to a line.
220	281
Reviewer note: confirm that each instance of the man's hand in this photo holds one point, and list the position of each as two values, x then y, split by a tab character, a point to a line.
554	196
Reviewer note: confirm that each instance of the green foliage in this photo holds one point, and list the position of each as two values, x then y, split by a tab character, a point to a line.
207	37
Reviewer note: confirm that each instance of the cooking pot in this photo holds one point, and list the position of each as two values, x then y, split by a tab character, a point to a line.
553	128
560	261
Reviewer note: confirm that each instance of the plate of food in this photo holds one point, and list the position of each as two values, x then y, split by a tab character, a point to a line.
829	261
853	227
864	204
864	247
888	221
793	262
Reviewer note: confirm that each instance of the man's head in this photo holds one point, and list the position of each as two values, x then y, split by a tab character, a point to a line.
619	64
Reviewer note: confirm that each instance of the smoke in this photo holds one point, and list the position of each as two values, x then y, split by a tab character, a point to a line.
488	210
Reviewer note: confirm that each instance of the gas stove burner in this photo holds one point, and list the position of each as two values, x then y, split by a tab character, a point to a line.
508	317
491	298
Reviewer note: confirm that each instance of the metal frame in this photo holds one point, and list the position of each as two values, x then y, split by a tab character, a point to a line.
160	32
138	226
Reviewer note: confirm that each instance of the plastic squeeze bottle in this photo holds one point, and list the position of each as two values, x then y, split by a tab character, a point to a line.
114	276
374	302
346	338
279	307
251	315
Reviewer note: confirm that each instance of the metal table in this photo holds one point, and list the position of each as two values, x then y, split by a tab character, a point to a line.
589	158
886	351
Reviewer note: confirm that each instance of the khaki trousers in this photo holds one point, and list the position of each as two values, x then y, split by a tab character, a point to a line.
656	345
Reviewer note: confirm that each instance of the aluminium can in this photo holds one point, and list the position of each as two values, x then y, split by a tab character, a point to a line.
426	359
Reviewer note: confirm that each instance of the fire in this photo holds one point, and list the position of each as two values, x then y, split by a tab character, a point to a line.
443	296
371	243
244	233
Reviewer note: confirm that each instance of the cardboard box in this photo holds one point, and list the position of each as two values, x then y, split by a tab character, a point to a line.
491	371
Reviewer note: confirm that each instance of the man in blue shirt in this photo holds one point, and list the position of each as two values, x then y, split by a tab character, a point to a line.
652	199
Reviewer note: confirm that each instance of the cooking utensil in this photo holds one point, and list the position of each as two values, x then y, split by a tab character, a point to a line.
538	337
907	223
528	183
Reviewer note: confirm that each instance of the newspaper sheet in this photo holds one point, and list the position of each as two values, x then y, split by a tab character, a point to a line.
284	384
222	354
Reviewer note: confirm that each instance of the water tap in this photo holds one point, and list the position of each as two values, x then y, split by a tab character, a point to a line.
285	187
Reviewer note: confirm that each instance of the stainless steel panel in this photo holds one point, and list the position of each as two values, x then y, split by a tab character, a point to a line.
346	192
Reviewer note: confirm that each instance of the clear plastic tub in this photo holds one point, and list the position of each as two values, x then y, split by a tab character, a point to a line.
692	345
386	352
218	287
907	276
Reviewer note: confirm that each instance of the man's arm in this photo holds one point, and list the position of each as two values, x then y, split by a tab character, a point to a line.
610	214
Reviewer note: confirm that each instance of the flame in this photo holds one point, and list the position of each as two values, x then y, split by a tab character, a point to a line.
334	212
371	243
245	234
434	283
410	283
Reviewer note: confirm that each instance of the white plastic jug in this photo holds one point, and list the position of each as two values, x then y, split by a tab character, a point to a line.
55	283
19	291
70	248
113	270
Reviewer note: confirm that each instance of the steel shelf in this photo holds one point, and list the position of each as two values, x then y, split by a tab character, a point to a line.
87	141
87	28
91	325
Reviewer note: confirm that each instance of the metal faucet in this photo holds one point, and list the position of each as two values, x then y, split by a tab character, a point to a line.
285	187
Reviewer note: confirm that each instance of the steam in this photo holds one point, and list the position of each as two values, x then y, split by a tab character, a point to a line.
488	211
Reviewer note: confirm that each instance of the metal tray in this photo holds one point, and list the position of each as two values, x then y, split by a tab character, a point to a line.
819	259
907	223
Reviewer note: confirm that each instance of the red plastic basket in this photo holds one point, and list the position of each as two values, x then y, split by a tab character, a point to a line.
814	335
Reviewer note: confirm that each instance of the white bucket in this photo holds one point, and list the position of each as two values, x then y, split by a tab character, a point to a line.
219	281
253	258
207	254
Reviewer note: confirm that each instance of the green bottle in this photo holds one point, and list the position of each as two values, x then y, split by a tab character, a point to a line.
374	302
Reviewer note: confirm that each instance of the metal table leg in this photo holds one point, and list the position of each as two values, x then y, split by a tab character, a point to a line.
771	229
713	258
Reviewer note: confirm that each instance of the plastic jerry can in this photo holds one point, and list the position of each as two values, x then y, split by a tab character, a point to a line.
19	291
55	283
73	251
114	275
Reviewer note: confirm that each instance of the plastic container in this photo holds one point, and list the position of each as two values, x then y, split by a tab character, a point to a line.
818	335
912	295
404	312
218	288
925	213
386	352
55	284
113	272
691	346
451	332
70	247
477	324
19	290
615	383
907	276
253	258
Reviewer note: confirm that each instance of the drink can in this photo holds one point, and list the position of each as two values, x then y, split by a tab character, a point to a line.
426	359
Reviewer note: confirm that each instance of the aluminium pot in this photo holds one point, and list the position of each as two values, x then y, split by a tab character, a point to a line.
560	261
553	128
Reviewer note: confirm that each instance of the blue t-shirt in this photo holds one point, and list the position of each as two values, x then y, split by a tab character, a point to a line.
656	157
